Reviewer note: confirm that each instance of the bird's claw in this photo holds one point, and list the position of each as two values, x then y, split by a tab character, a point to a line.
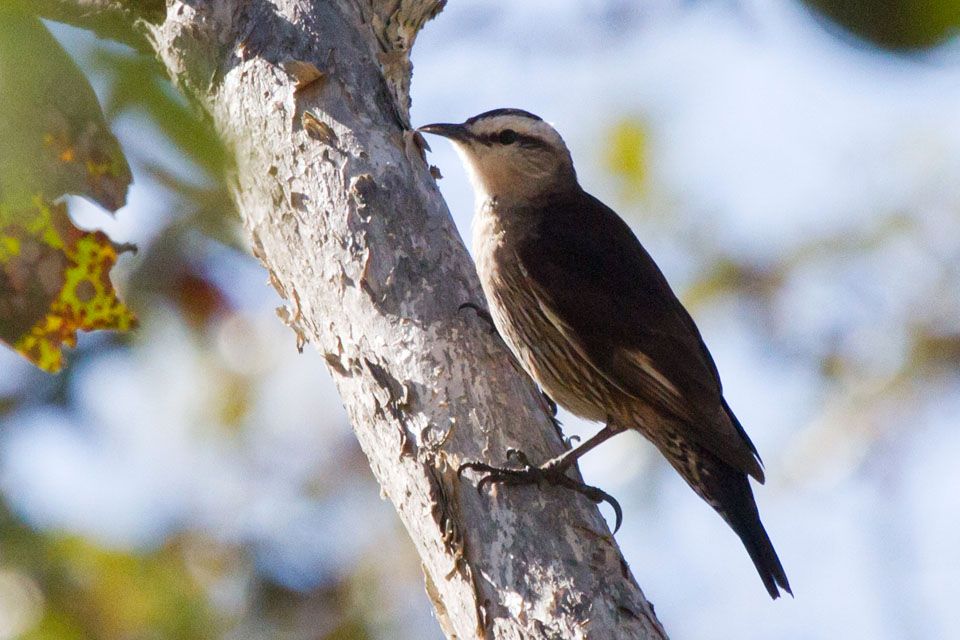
551	403
597	496
552	408
482	313
529	474
515	455
473	466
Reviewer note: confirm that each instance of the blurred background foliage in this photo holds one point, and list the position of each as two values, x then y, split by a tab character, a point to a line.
895	24
197	479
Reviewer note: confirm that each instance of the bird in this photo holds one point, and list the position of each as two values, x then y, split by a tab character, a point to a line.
591	318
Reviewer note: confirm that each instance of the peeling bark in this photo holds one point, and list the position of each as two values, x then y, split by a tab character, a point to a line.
332	186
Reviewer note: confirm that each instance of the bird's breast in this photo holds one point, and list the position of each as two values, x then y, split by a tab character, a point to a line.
540	347
487	238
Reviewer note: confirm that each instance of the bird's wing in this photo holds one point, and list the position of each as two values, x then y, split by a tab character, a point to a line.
599	286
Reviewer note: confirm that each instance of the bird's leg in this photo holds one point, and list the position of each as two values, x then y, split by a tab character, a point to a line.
553	472
482	313
566	459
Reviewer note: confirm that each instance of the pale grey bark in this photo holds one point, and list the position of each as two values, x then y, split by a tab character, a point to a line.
341	209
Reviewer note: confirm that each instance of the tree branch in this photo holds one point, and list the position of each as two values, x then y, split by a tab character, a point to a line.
335	193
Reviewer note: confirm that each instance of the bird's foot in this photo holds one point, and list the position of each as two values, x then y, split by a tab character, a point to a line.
530	474
482	313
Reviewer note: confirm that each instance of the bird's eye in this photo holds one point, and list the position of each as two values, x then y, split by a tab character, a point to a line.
507	136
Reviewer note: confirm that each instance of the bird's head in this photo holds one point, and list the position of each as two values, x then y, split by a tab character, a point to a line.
510	154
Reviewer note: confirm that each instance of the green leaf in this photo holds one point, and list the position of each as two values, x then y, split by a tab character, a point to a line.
53	141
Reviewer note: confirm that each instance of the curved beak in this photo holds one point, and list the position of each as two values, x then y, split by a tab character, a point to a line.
451	131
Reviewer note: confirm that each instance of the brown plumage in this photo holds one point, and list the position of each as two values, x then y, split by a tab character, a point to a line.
593	320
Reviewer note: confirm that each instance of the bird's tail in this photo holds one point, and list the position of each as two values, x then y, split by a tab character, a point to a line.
733	499
740	511
728	491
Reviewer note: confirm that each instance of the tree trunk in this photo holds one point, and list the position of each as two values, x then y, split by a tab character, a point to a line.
312	96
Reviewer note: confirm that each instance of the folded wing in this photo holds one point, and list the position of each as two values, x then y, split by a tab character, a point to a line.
599	286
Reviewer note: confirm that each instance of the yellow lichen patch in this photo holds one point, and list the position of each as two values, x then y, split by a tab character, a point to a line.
54	281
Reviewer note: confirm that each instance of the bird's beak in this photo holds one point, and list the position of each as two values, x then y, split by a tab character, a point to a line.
456	132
